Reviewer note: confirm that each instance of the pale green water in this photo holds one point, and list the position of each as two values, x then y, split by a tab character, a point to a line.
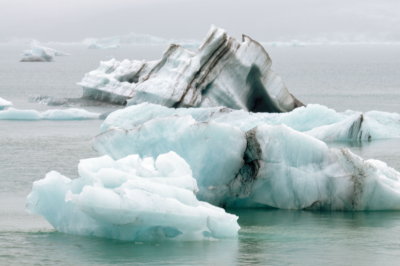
267	237
328	75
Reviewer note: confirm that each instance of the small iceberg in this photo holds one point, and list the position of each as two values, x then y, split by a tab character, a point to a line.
53	114
130	199
127	39
40	53
105	43
221	72
4	104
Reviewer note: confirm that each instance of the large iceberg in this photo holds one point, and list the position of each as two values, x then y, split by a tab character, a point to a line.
130	199
4	104
52	114
40	53
254	164
222	72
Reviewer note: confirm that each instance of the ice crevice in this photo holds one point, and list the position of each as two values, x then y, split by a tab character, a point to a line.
241	185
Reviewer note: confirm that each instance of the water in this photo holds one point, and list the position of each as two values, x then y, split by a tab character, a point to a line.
342	77
267	237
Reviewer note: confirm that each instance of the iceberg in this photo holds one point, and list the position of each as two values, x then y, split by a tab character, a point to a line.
130	199
40	53
106	43
135	39
127	39
315	120
4	104
240	159
53	114
212	126
222	72
112	81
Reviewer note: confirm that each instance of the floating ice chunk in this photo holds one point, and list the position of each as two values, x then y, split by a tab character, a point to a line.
316	120
113	80
69	114
4	104
36	54
105	43
53	114
299	172
128	39
39	53
213	150
130	199
245	159
222	72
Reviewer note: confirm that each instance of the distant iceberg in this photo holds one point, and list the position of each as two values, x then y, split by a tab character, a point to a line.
39	53
4	104
53	114
127	39
239	159
130	199
222	72
109	43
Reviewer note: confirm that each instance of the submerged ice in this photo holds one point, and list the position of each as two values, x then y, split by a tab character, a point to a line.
130	199
222	72
246	160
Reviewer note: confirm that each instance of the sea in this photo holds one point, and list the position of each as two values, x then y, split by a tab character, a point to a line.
357	77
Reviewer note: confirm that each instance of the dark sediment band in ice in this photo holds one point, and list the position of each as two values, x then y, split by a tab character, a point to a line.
222	72
245	159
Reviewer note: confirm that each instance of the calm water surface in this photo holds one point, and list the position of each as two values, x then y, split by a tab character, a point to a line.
342	77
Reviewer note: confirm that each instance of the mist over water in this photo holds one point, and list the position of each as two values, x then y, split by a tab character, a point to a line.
264	20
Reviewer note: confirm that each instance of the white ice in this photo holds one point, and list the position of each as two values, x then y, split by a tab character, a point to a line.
40	53
245	159
106	43
127	39
114	78
131	199
4	104
133	39
315	120
52	114
221	72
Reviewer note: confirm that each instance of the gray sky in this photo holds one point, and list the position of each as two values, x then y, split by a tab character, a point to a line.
264	20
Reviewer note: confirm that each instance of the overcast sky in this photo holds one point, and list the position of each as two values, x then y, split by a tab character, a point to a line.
264	20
